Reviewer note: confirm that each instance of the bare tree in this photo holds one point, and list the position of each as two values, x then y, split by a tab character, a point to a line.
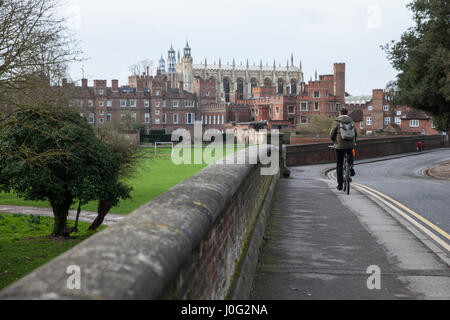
35	49
140	67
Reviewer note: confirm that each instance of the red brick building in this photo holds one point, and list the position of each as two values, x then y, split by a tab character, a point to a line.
324	96
102	104
376	113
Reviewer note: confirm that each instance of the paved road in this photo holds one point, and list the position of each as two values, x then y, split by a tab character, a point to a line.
402	180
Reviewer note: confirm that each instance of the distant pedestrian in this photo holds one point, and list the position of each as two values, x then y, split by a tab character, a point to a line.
419	146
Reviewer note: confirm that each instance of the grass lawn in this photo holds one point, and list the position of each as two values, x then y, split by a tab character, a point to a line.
25	244
155	177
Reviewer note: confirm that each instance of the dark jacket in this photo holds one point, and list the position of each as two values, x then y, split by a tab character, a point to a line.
336	136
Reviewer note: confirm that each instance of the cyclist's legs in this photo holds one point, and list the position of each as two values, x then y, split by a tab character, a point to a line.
340	166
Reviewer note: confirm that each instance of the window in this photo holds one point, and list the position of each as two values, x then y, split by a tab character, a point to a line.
398	120
304	119
277	110
304	106
91	103
188	103
164	118
108	117
147	118
71	103
100	92
385	108
80	103
316	94
122	117
369	121
109	103
338	107
101	103
387	121
175	104
157	112
207	93
123	103
433	126
291	110
399	113
223	119
175	119
414	123
156	92
133	103
147	104
164	104
189	118
101	121
133	117
91	118
361	124
316	106
157	104
370	108
101	112
157	121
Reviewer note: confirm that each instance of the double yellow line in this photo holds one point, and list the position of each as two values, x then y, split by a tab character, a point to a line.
408	214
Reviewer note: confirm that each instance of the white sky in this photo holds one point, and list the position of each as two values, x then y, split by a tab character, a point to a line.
115	34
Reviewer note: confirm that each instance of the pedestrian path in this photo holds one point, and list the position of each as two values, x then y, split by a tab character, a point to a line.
85	216
317	246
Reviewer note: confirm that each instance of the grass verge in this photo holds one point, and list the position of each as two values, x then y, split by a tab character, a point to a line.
25	244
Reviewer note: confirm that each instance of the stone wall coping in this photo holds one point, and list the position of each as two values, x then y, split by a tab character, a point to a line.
139	257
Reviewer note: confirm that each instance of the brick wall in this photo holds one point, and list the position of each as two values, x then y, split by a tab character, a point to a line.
209	271
372	148
192	242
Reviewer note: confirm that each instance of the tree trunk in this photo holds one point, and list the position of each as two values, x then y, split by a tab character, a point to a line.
103	208
60	212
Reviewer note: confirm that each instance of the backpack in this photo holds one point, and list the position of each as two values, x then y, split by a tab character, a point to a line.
347	131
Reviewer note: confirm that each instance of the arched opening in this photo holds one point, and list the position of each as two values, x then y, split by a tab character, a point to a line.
293	86
280	89
267	82
240	89
254	84
226	89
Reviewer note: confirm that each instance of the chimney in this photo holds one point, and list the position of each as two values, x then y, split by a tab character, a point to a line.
64	82
115	85
181	86
140	86
84	83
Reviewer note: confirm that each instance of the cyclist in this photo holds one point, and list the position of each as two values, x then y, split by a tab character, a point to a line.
344	135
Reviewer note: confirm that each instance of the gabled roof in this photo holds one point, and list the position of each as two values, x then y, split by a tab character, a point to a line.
414	114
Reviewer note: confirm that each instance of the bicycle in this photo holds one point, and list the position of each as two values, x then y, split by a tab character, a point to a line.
347	175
